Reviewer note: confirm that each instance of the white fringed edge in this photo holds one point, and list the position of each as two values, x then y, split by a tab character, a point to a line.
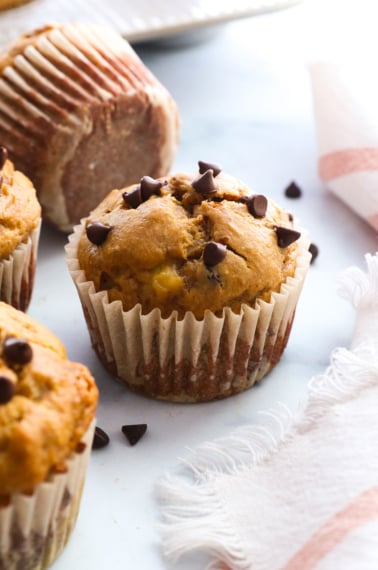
193	516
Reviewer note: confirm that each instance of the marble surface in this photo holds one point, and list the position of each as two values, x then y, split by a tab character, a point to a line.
245	100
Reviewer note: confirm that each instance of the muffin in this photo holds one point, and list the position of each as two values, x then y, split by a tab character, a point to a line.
20	220
47	408
188	283
81	114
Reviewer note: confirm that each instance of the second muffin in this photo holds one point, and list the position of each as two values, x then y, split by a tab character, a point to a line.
47	409
189	283
20	221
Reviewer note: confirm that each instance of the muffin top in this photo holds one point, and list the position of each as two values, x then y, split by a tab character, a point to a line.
46	402
188	242
20	211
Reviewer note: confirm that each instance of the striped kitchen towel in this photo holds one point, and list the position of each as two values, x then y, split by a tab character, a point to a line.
299	492
346	116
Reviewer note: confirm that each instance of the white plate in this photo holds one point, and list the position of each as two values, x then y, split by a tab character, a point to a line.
138	21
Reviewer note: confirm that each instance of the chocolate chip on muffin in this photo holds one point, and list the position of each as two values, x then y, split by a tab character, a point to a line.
97	232
204	166
205	184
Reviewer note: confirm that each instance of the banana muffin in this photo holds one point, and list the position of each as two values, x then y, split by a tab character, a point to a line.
189	283
81	114
20	220
47	409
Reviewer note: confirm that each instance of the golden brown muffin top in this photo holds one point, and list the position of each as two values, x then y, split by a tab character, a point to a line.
46	402
20	211
188	243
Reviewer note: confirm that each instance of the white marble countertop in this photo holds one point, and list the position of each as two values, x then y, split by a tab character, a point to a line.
245	100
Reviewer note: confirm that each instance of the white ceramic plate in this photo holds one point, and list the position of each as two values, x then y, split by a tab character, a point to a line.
137	20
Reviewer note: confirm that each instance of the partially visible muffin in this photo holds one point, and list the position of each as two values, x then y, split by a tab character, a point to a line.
20	220
47	409
81	114
189	283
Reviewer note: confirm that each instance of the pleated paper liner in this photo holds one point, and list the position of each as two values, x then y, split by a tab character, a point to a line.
34	529
17	273
45	93
188	360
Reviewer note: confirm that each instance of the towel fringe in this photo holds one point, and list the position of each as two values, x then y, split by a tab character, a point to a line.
191	511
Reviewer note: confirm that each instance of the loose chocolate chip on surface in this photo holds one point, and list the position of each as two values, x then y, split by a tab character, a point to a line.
133	198
17	351
314	250
286	236
3	156
149	186
7	389
205	184
134	432
214	253
257	205
203	166
97	232
293	191
100	438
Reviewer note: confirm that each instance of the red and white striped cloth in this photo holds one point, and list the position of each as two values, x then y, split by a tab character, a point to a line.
301	491
346	115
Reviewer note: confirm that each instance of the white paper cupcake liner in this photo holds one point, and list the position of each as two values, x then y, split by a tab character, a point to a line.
64	88
187	359
17	272
34	529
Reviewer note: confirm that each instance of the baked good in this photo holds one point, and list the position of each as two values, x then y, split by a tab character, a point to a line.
47	408
81	114
20	220
6	4
189	283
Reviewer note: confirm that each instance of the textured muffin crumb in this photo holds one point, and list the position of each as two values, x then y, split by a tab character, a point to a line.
188	242
46	402
20	212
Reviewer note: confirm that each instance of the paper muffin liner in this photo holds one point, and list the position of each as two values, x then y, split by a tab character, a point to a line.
189	360
17	272
58	92
35	528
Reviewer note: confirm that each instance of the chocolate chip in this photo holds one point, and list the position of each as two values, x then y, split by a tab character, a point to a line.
214	253
97	232
3	156
293	191
133	198
257	205
100	438
17	351
314	250
81	447
7	390
286	236
149	186
205	184
134	432
1	180
203	166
